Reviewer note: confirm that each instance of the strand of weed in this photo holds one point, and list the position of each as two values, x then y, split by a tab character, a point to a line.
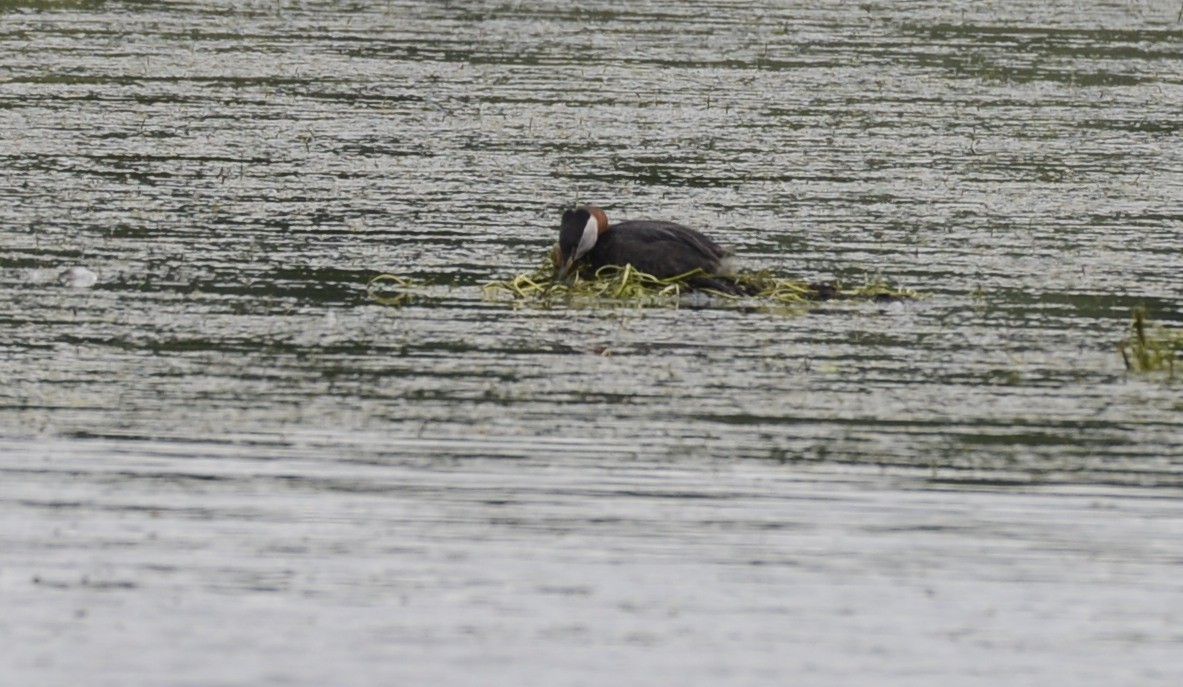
1149	347
390	289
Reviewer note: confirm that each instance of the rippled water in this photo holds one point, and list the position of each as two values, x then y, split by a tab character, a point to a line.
224	463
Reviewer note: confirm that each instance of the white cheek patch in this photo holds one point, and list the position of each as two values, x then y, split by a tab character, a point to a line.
590	233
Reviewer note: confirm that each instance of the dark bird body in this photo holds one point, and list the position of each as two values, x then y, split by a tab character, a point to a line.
662	249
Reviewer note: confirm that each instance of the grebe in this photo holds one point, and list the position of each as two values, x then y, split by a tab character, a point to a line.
662	249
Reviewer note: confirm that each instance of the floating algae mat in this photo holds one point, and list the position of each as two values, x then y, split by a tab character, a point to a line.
1150	348
628	286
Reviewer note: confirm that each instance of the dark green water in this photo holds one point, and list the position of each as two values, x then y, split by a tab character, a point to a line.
224	453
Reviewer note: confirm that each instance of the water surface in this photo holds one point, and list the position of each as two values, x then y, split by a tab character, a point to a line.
224	463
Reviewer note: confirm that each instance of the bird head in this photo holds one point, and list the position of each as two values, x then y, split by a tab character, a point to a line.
578	233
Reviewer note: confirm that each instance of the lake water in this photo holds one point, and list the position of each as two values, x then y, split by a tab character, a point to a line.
223	463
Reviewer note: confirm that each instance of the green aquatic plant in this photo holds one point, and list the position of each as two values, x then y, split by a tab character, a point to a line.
626	285
612	285
1149	347
390	289
608	283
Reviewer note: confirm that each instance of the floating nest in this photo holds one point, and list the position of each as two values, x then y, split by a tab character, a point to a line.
1149	347
628	286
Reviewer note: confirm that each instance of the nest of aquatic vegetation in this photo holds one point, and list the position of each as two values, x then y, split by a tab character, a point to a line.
1149	347
628	286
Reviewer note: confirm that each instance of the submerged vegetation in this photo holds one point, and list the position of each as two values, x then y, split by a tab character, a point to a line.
1149	347
629	286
